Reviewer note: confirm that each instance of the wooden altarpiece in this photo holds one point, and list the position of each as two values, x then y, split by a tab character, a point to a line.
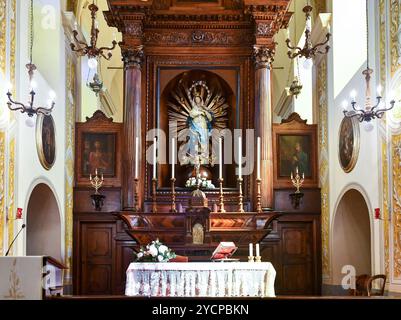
227	43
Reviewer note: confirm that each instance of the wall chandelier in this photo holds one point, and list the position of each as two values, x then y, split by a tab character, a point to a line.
91	51
309	51
370	112
29	108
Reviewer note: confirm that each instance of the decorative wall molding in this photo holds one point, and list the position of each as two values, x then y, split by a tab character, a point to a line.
396	157
324	164
70	104
11	190
2	189
3	36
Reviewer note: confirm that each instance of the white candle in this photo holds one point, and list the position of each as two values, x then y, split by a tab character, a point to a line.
258	159
257	250
239	157
250	249
154	158
220	158
136	157
172	157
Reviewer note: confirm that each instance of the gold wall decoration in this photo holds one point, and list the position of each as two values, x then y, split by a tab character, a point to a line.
396	156
385	200
395	35
2	188
382	44
69	163
11	186
324	164
3	36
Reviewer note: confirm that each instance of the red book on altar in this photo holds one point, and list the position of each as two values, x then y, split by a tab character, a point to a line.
224	251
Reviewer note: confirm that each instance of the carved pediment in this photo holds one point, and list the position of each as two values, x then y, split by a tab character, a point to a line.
99	116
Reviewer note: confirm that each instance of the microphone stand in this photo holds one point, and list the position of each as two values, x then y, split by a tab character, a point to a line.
15	238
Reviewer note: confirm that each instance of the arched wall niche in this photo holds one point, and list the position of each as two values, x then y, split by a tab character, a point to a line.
351	234
43	223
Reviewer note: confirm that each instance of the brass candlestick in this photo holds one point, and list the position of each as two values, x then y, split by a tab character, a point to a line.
240	196
258	196
297	196
136	197
258	259
251	259
97	199
297	181
154	206
96	181
173	206
221	197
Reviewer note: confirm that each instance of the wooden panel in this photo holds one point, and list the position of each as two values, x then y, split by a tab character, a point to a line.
97	257
124	256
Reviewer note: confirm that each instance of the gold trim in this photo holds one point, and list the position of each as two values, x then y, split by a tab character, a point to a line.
322	106
2	188
11	193
396	156
356	144
39	142
3	36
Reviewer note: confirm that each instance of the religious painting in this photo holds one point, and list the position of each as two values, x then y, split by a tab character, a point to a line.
294	155
46	140
348	148
98	147
294	150
98	153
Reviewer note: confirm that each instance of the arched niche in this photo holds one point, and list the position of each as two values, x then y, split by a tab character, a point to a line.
43	225
226	83
351	243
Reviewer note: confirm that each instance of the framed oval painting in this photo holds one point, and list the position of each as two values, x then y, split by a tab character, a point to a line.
348	146
46	140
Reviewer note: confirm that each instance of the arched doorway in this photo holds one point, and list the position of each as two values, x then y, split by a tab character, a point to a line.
43	225
351	236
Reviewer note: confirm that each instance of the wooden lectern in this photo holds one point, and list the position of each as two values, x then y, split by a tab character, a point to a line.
30	278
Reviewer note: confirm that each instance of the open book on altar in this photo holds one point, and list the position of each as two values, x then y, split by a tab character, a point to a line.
224	251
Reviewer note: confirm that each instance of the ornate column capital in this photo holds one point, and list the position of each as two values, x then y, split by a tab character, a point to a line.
263	56
133	57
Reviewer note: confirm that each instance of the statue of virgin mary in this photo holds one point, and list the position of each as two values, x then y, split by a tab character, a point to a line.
197	110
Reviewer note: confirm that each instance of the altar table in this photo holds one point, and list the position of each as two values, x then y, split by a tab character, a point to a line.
201	279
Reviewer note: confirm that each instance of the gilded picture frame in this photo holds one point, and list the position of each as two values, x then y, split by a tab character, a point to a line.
348	143
46	140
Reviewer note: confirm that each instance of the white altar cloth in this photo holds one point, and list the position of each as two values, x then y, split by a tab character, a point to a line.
201	279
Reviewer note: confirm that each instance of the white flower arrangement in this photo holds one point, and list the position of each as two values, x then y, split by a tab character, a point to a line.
193	182
155	252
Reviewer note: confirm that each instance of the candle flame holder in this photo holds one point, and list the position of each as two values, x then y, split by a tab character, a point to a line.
154	203
97	198
240	196
173	204
297	196
136	197
258	196
221	196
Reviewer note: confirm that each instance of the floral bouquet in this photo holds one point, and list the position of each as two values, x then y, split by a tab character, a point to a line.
155	252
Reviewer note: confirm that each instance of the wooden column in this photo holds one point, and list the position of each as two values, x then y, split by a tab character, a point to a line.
263	121
133	58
